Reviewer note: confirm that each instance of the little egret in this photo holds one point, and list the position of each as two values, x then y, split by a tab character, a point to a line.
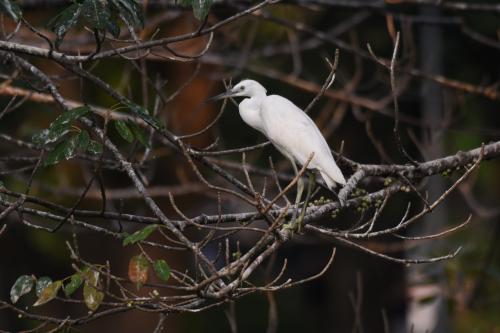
288	128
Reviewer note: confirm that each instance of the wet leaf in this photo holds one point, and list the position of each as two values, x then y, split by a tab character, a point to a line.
60	126
124	131
94	147
46	136
74	283
64	21
73	114
22	286
162	269
84	143
65	150
138	270
139	235
11	8
92	297
95	14
41	284
48	293
83	140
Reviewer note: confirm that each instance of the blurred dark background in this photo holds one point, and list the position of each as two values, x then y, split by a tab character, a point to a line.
359	293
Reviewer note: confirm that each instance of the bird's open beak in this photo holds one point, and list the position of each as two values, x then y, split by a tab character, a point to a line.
226	94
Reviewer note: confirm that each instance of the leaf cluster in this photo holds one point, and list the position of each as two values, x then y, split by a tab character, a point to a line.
138	270
71	139
130	131
46	289
101	16
138	266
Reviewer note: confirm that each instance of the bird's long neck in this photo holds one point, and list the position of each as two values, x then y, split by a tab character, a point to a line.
250	111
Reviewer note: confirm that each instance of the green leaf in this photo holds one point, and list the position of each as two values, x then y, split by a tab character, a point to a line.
11	8
48	293
124	130
96	14
64	21
92	296
138	270
48	136
139	135
201	8
41	284
94	147
144	115
139	235
84	143
22	286
74	283
131	11
113	27
60	126
63	151
162	269
82	140
91	277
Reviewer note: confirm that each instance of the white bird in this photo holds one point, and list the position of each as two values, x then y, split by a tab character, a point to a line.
288	128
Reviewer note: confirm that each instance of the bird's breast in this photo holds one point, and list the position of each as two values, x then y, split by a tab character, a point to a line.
250	113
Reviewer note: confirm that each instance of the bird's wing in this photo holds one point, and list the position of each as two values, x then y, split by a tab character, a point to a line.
288	126
297	136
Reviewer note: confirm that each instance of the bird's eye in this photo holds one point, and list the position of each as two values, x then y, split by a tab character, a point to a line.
242	87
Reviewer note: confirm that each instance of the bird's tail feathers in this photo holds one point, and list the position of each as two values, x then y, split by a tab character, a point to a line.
333	176
328	181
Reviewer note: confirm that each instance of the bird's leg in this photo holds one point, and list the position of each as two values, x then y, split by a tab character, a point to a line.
310	188
300	189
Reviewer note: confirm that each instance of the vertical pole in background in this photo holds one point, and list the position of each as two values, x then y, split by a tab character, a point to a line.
427	281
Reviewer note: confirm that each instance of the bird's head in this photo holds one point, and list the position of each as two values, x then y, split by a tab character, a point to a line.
245	88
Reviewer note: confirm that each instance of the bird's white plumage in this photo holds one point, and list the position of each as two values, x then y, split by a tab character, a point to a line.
289	128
